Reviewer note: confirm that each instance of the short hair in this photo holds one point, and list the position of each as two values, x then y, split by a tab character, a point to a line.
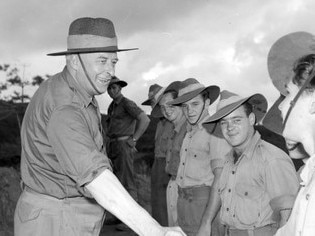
302	69
248	108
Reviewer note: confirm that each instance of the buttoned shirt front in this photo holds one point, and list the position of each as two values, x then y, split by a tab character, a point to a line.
263	175
163	135
200	154
301	222
62	143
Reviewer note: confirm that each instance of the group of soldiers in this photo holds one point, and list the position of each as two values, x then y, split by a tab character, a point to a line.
212	174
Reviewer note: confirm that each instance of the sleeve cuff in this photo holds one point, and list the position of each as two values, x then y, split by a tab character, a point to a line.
216	163
280	203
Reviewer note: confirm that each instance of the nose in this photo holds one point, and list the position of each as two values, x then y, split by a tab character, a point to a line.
110	68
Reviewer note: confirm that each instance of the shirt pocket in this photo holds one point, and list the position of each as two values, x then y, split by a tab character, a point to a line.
198	166
248	203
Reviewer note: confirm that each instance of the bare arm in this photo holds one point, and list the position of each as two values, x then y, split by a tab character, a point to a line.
213	206
109	193
142	124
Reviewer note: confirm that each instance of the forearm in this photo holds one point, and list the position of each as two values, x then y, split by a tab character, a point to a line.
109	193
142	124
214	202
284	216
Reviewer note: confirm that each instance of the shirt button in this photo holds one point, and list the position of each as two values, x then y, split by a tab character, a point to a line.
307	196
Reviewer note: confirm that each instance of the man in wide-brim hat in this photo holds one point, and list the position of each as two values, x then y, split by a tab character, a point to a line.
201	161
67	177
258	181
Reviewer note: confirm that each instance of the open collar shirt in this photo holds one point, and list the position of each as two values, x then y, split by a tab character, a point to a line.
302	219
262	177
200	154
61	137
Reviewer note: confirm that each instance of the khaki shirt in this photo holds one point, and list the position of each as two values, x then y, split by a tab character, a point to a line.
61	138
163	135
173	152
200	154
264	175
122	117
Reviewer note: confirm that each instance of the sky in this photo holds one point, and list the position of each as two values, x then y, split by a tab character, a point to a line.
225	42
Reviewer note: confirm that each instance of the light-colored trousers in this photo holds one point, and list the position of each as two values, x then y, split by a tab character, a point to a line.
171	198
38	215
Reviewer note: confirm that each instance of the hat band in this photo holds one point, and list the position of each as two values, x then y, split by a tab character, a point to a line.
190	88
228	101
90	41
159	93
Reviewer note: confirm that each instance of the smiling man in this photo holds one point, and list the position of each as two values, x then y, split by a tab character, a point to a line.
201	160
258	182
67	177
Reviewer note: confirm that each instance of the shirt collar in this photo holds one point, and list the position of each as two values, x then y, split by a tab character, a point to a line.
73	84
199	124
118	99
249	150
308	171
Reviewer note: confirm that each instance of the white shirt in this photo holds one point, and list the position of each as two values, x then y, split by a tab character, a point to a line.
302	219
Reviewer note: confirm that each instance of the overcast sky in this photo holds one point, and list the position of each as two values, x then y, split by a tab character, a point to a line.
223	42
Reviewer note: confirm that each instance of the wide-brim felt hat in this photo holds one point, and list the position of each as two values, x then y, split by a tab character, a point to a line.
91	35
230	101
116	80
153	89
284	53
191	87
282	57
174	86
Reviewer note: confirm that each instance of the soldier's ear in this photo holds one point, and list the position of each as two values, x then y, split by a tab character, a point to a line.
252	118
73	61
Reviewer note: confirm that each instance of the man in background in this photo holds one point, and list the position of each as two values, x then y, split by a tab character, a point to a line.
126	122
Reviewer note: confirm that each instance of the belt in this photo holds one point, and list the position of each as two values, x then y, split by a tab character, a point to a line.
250	232
121	138
48	197
194	192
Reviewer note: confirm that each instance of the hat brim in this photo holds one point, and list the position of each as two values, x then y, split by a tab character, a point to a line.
147	102
121	83
213	90
273	119
284	53
90	50
257	100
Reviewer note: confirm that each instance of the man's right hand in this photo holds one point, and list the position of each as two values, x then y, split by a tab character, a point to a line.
174	231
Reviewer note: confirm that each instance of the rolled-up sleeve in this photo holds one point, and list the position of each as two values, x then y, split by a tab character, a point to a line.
76	148
282	183
218	150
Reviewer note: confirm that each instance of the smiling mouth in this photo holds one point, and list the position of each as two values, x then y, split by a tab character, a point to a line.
104	81
292	145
